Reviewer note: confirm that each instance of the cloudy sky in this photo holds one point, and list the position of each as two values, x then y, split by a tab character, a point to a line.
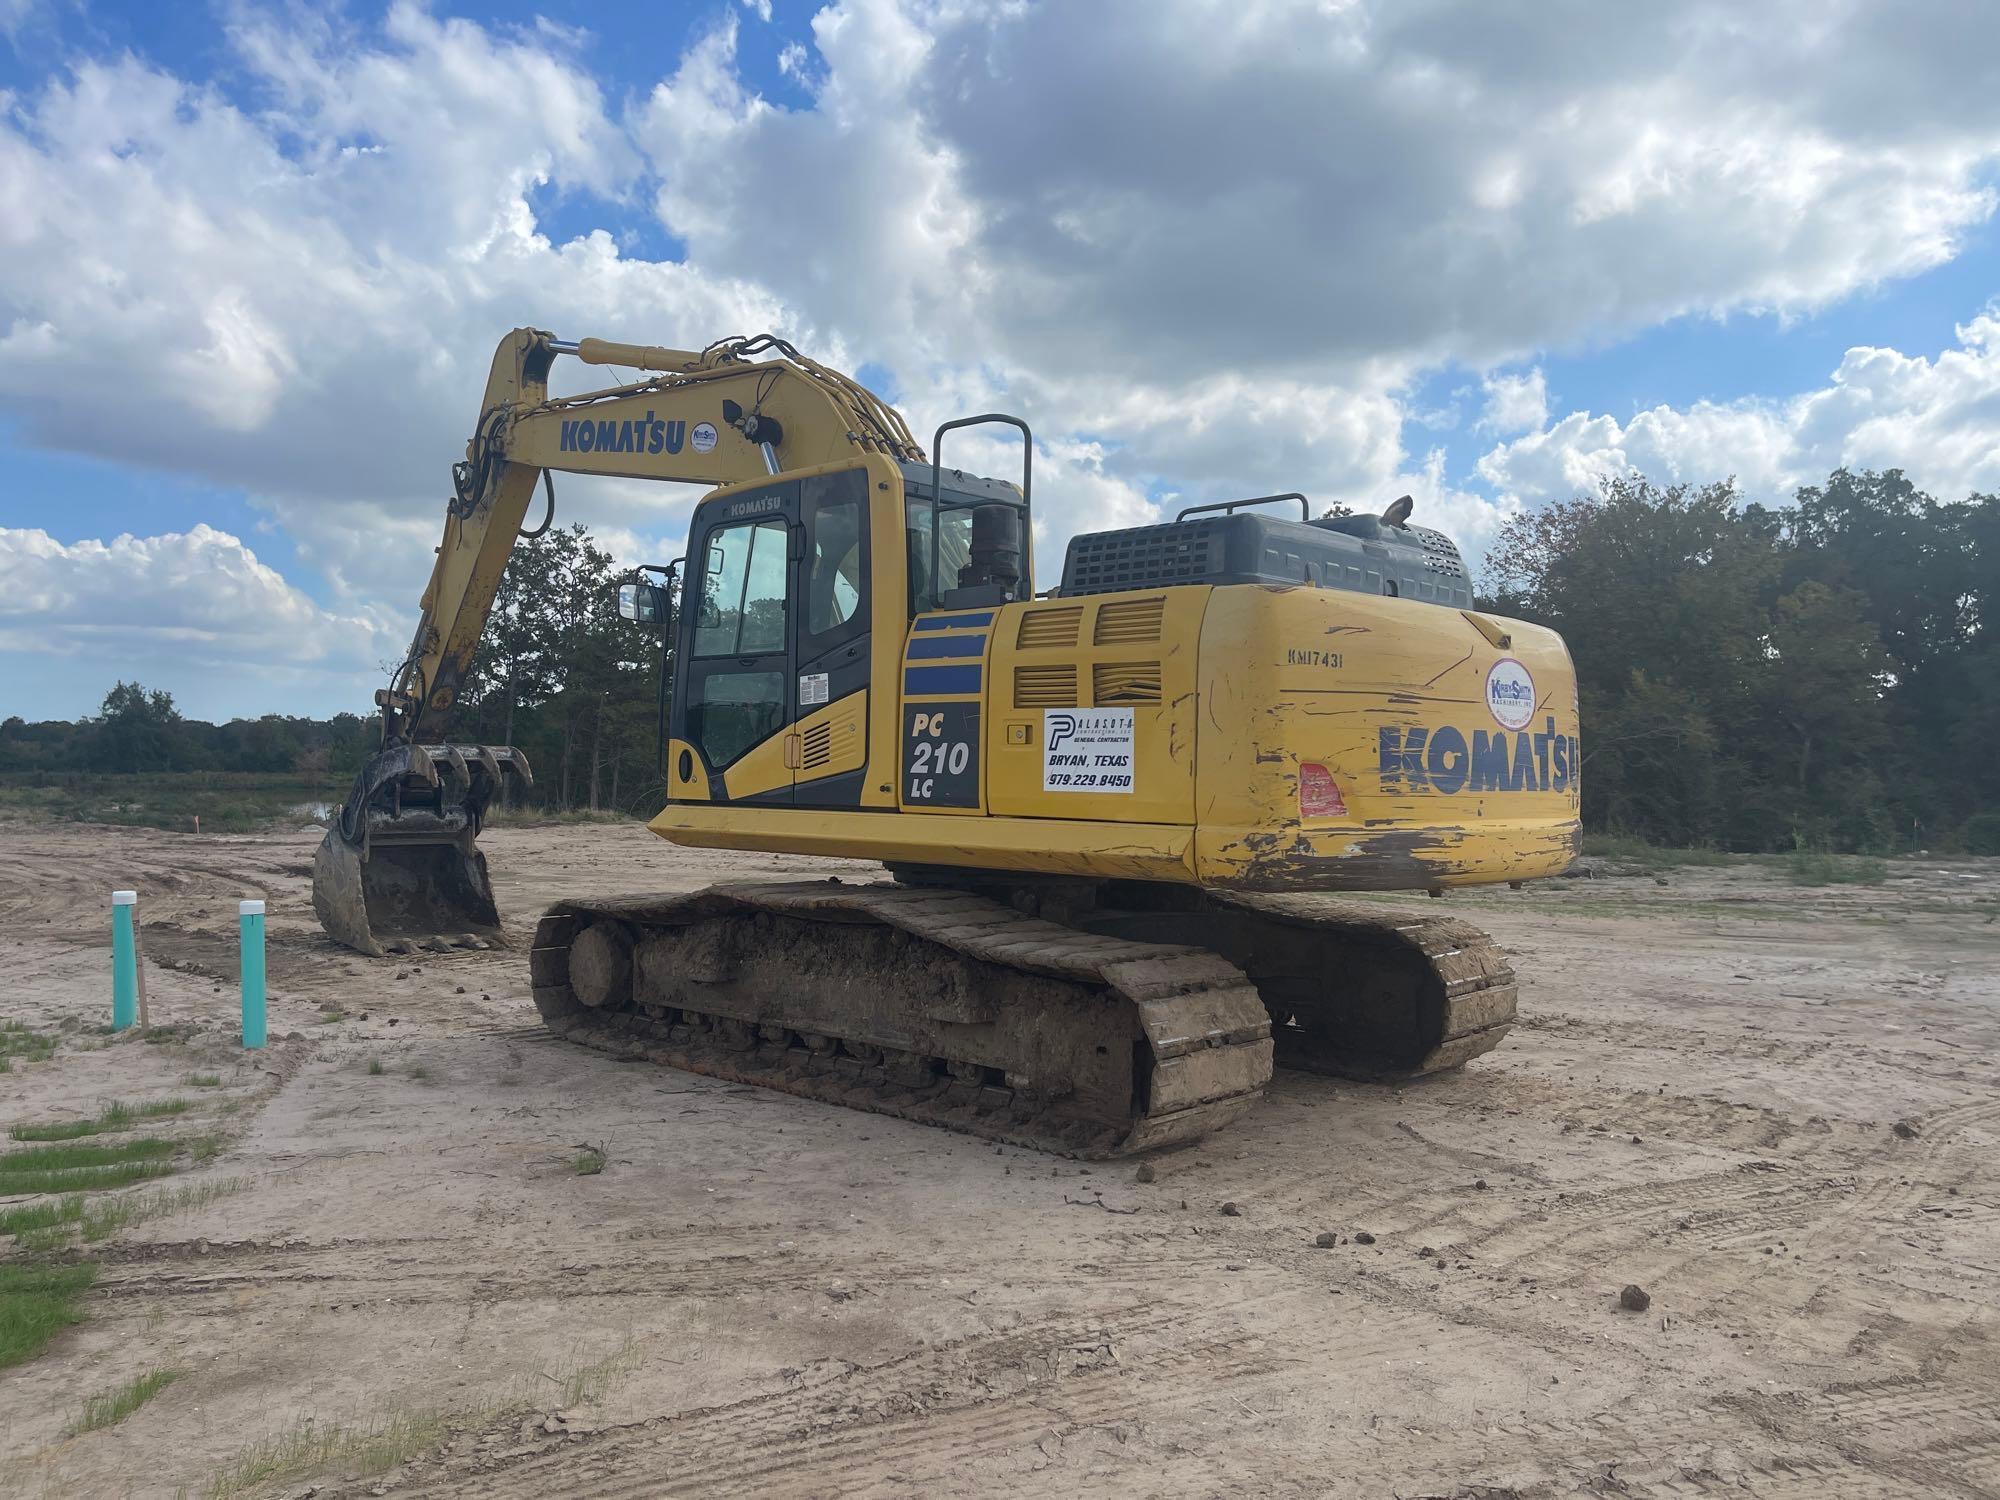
254	259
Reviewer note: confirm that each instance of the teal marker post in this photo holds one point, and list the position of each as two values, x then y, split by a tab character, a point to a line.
124	962
250	932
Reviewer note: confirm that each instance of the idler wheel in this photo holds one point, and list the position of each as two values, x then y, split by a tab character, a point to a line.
600	965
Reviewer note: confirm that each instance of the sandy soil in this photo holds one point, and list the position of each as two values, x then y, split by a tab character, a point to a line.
764	1296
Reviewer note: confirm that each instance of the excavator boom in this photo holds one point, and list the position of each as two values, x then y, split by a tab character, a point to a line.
399	869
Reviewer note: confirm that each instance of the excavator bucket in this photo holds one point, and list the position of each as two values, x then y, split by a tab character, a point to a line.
397	872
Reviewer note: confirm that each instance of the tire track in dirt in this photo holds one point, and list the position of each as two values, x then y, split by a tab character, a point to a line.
957	1399
364	1279
1580	1225
1631	1036
1808	1444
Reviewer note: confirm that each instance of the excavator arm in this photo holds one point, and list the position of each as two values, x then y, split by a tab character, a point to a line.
399	869
714	417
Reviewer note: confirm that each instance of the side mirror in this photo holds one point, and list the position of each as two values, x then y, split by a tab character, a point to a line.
643	602
715	561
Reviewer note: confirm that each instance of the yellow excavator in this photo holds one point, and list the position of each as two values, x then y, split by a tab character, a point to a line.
1116	814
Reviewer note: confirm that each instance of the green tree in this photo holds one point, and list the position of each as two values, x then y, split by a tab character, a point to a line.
137	730
1823	686
561	675
1756	677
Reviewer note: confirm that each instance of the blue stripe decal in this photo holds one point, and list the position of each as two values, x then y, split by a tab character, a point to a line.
947	645
955	622
941	679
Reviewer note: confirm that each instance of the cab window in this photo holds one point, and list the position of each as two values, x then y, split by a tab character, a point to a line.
743	591
835	576
954	550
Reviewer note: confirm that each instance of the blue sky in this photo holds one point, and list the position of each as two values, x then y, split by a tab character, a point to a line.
262	253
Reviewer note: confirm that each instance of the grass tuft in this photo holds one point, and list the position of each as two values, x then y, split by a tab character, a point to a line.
36	1304
114	1116
419	1072
64	1155
365	1447
375	1068
69	1130
108	1408
44	1227
36	1218
588	1162
65	1167
18	1040
590	1382
310	1445
1817	867
203	1080
205	1148
84	1179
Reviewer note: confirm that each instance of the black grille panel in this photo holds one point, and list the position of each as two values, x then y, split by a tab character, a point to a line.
1358	554
1145	557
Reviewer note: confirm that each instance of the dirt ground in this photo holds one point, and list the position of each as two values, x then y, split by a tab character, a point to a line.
759	1295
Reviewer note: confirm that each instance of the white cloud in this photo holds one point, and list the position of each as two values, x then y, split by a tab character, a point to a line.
303	302
1514	403
1221	260
1272	186
16	14
1937	419
1212	268
194	599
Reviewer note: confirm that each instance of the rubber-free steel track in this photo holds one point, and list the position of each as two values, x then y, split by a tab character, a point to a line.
934	1005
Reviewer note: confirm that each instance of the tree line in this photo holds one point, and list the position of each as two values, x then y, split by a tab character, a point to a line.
1820	675
557	674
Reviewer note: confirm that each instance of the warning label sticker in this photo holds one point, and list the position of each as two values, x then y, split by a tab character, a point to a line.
1087	750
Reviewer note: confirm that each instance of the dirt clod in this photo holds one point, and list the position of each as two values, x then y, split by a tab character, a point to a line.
1907	1129
1634	1298
1363	1237
1146	1173
1326	1239
1231	1211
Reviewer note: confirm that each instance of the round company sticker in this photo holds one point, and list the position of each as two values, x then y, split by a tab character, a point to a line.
703	437
1510	694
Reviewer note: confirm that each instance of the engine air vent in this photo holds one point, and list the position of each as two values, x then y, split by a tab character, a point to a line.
1129	621
1043	629
818	746
1050	686
1117	682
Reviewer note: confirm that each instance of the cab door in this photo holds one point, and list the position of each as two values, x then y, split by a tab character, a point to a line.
831	640
734	689
772	691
